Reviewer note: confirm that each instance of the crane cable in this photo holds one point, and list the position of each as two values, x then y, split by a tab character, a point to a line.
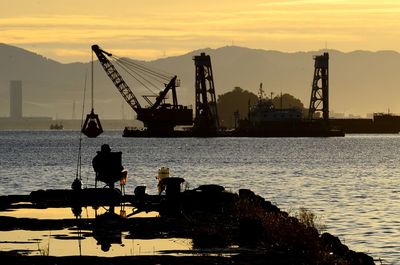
148	70
135	77
92	84
145	74
153	70
78	176
132	69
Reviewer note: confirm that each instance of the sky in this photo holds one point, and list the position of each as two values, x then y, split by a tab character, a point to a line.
64	30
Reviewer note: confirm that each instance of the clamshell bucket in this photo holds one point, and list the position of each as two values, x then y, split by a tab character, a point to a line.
92	126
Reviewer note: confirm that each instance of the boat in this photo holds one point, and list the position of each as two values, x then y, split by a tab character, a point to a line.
265	120
386	123
56	126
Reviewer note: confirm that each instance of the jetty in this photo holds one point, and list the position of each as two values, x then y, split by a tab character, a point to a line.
224	227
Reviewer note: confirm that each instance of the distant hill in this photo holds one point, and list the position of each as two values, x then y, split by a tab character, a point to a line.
360	81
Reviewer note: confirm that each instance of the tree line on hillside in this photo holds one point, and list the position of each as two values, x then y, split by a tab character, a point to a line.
240	100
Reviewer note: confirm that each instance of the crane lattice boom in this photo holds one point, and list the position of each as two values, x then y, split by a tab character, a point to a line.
116	78
159	116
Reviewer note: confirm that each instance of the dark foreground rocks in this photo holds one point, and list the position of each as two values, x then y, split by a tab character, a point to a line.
225	228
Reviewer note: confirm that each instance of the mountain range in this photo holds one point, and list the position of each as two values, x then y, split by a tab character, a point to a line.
361	82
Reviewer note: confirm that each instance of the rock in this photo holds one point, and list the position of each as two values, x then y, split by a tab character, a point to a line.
334	245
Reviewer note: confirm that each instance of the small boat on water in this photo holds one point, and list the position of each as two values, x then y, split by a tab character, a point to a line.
56	126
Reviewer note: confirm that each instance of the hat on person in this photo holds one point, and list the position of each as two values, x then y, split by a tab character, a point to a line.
105	148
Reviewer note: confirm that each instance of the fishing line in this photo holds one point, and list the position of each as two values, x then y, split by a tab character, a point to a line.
79	163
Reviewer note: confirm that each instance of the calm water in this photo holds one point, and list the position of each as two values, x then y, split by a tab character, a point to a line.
351	183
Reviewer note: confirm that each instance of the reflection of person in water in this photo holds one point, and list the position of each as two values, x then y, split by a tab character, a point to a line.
107	229
105	246
108	165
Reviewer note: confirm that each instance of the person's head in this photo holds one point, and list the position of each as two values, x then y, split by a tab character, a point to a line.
105	148
105	246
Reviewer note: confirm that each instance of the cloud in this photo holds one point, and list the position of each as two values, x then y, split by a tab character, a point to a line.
288	24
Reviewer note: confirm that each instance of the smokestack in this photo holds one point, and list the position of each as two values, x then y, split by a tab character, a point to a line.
15	99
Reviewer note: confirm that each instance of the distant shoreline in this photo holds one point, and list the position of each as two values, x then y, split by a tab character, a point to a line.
44	123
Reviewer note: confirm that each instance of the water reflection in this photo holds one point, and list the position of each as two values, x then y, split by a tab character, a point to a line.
107	229
98	231
345	181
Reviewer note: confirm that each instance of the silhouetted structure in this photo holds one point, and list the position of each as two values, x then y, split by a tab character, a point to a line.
92	126
160	117
206	119
264	120
108	166
267	121
380	123
264	113
320	88
15	99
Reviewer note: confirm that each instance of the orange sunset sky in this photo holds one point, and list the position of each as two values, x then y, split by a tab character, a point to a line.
64	30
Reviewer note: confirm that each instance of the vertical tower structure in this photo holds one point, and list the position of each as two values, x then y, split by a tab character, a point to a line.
15	99
206	119
320	88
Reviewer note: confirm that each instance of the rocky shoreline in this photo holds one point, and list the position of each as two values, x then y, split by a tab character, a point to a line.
225	228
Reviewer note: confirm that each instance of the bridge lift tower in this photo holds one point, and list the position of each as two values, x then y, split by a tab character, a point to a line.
206	120
319	101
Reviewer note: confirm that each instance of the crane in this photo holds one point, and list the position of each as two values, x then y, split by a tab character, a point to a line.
159	116
206	121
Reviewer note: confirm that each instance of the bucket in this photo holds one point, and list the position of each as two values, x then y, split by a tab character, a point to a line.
163	173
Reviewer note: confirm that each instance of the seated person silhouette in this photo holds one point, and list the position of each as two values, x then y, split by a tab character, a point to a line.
108	166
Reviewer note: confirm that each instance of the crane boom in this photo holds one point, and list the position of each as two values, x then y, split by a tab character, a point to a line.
116	78
159	117
163	94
